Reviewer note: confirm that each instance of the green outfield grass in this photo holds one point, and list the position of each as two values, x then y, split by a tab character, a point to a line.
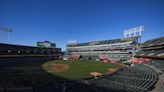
80	69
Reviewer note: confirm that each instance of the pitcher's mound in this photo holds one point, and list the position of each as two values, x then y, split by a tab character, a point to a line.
58	68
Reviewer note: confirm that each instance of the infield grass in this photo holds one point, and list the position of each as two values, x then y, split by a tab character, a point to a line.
80	69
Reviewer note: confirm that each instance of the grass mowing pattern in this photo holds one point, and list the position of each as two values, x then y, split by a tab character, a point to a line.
80	69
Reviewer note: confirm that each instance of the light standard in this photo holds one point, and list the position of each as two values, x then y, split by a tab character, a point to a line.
8	33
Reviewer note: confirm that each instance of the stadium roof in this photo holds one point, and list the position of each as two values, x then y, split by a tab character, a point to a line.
112	41
154	42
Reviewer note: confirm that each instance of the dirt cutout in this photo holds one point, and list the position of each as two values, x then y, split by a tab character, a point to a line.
58	68
95	74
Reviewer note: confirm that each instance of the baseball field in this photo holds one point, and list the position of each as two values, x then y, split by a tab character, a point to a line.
31	72
74	70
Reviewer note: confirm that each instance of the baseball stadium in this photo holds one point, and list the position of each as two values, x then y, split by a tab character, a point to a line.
114	65
81	46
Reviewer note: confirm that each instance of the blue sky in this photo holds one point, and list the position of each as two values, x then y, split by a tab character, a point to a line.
83	20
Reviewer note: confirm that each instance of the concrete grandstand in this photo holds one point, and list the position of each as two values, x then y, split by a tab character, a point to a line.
152	48
115	49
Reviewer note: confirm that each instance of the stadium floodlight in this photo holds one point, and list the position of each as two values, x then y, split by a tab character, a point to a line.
8	30
72	42
133	31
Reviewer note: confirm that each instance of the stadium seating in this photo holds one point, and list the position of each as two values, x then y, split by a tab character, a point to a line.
152	48
23	89
156	63
113	41
119	48
154	42
151	53
133	79
9	50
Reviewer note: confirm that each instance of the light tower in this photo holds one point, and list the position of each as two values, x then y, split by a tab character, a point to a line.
136	31
72	42
3	31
